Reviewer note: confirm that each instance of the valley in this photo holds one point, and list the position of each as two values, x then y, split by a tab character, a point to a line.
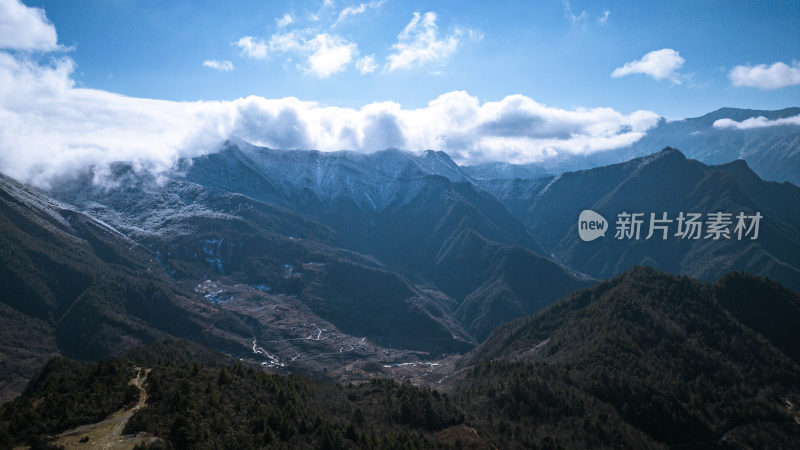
402	273
563	376
341	225
290	338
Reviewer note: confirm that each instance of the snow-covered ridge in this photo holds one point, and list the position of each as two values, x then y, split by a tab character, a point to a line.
372	180
58	216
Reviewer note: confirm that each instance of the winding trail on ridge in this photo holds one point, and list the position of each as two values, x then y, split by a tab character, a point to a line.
108	432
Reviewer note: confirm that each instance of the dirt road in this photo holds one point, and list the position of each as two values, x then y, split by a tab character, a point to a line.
108	432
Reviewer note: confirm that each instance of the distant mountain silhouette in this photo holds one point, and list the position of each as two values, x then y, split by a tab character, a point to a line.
772	152
658	183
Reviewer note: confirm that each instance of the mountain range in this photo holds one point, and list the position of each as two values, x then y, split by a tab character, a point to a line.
665	182
388	211
772	151
408	251
350	267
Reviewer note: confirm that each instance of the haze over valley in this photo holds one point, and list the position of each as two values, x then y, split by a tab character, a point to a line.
318	225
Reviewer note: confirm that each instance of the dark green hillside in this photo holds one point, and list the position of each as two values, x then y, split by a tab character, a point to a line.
74	286
665	352
645	360
232	406
493	283
228	406
523	405
765	306
238	408
65	394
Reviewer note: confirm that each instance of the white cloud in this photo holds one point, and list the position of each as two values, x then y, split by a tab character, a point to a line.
331	54
24	28
350	11
252	47
286	42
756	122
223	66
366	64
356	10
571	16
659	64
602	20
325	53
49	127
776	76
284	21
418	43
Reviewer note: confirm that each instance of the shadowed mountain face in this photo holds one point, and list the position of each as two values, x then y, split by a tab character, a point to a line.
416	234
75	286
417	214
199	234
248	212
366	198
470	258
662	182
683	361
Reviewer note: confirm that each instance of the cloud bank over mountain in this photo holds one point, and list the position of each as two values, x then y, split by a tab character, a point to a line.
756	122
50	127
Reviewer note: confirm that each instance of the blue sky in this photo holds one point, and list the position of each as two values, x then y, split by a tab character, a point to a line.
558	53
86	83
